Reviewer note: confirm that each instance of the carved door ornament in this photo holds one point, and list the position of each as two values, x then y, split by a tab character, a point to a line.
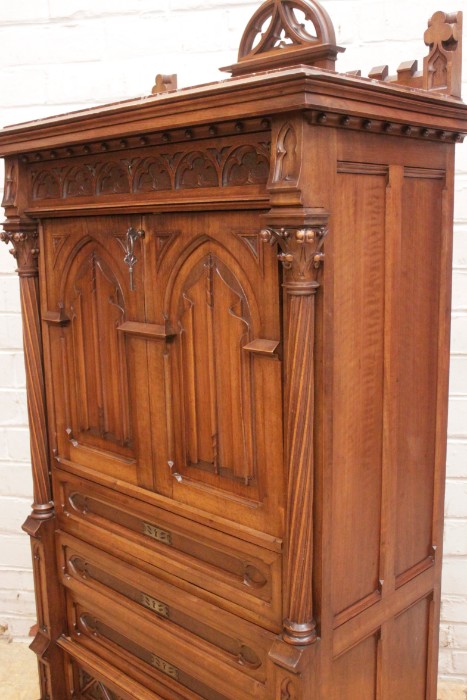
130	258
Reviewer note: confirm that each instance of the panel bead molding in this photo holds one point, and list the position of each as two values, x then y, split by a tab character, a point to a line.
301	256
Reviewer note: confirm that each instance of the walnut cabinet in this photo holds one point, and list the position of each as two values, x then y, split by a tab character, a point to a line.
236	308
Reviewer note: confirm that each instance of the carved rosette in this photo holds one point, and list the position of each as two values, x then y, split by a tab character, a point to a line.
301	256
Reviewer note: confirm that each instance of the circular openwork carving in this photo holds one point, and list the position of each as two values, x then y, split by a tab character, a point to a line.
279	24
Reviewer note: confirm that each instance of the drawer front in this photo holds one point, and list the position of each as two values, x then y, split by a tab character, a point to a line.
155	652
238	575
241	645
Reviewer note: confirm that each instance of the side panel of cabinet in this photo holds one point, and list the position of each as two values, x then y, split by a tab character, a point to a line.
95	388
388	359
217	419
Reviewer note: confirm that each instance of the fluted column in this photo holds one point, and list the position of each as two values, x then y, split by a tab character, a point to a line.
301	256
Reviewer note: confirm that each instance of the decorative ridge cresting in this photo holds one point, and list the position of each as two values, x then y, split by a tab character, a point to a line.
442	68
287	32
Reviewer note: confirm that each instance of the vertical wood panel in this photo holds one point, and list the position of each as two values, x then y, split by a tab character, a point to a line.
354	674
419	300
406	677
358	386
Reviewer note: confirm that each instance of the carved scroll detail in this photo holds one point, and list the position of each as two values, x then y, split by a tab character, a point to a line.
288	690
301	256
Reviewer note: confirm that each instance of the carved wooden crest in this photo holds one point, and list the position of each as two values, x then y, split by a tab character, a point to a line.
287	32
442	66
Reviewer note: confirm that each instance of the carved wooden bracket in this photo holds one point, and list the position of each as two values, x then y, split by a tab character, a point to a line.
300	254
287	32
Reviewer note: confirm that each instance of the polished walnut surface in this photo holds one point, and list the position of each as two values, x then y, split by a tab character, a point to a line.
236	320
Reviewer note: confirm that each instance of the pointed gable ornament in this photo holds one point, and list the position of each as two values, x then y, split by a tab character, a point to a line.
284	33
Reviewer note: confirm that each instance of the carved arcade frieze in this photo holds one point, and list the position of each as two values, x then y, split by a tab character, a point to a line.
224	164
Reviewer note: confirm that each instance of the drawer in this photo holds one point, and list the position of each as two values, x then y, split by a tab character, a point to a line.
87	570
154	651
228	571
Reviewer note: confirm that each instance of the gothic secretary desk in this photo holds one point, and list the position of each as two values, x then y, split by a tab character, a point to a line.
236	318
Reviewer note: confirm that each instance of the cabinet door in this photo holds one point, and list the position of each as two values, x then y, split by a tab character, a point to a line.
220	411
99	418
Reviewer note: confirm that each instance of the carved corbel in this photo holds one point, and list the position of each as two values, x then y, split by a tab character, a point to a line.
301	254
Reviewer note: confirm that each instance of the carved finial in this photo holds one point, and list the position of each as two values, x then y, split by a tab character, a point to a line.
287	32
442	67
164	83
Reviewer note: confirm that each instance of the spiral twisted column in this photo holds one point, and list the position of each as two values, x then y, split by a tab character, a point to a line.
40	524
25	250
301	256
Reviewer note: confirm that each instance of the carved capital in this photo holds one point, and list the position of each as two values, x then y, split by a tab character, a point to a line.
300	252
24	239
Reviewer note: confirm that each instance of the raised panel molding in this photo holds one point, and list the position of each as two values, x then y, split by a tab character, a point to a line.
214	322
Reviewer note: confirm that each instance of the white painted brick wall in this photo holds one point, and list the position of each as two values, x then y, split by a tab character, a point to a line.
60	55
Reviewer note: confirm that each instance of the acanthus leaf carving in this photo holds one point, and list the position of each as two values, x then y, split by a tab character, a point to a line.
300	253
25	249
